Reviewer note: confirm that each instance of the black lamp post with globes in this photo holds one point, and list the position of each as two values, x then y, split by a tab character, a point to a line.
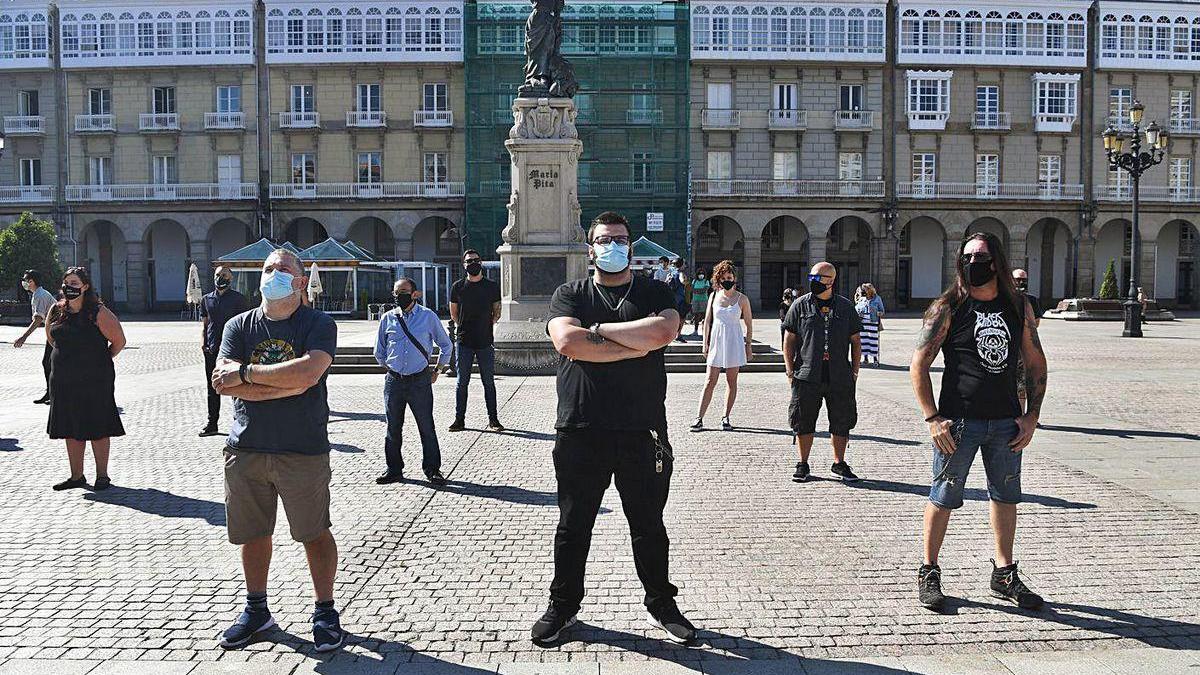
1127	154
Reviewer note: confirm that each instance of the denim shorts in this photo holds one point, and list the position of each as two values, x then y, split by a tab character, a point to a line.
1002	465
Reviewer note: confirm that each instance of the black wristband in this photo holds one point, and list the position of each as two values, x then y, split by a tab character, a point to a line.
933	417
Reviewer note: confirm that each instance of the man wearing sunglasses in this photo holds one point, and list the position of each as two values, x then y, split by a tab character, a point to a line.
821	354
475	308
982	325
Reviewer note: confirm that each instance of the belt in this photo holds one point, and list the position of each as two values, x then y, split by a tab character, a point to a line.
419	373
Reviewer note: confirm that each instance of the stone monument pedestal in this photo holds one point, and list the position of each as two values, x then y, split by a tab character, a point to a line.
543	243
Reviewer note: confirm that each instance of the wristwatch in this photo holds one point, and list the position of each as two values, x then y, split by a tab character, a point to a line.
594	335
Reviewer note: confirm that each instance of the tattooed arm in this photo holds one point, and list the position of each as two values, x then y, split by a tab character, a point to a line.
1035	380
929	343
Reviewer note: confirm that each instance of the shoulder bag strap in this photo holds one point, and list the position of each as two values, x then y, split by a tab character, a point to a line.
404	327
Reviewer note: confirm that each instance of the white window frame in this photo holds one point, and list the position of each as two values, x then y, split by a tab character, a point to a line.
928	98
100	170
1180	177
435	168
435	96
1120	99
1055	101
28	102
641	170
165	169
229	98
987	175
850	97
1119	183
31	171
1050	180
304	168
368	97
924	174
302	98
1183	116
719	171
850	173
370	159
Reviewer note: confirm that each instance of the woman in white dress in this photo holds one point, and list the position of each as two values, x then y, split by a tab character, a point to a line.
728	328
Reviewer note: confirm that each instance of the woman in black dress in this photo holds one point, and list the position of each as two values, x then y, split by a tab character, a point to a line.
85	336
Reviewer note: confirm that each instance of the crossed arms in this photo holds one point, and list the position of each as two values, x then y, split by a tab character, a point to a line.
269	382
626	340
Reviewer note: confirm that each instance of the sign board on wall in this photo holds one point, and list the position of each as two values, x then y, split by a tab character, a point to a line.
654	222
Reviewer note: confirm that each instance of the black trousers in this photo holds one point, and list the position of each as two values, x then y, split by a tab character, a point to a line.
46	364
214	399
584	463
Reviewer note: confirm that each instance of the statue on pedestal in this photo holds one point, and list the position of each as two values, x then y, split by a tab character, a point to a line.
547	73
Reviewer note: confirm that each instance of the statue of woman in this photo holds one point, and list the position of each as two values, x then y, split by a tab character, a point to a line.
543	62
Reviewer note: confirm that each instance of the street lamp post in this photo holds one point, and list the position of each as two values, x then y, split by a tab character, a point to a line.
1135	162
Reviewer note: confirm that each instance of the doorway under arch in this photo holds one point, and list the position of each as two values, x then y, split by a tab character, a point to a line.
1176	279
102	251
785	256
167	262
921	265
304	232
1048	250
848	247
375	236
719	238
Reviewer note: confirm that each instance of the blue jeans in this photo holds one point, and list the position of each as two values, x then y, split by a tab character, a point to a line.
487	372
417	393
1002	465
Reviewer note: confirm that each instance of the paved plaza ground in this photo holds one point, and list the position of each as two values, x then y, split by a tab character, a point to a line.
780	577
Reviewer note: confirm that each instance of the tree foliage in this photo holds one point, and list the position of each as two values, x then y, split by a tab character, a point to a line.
29	244
1108	287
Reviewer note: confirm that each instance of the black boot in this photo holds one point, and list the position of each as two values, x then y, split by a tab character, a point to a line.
1006	585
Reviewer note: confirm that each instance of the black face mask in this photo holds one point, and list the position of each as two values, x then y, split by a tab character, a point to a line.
404	300
71	292
727	284
817	287
474	268
221	282
979	273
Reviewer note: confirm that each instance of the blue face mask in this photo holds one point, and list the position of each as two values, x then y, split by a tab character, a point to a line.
276	285
612	257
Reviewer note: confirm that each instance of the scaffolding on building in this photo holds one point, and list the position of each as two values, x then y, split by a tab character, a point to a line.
631	60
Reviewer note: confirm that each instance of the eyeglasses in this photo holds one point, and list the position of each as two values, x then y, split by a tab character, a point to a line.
468	261
605	239
976	257
818	277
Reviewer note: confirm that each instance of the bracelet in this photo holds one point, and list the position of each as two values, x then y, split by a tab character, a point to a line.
243	373
933	417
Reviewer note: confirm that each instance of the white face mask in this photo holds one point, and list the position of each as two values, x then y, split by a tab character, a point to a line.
25	285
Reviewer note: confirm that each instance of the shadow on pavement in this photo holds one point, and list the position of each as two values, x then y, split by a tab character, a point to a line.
345	447
974	494
159	503
1099	619
338	416
717	653
339	662
896	368
1121	433
877	439
10	445
522	433
505	493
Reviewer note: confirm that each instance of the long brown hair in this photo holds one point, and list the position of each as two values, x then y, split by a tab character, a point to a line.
91	301
960	289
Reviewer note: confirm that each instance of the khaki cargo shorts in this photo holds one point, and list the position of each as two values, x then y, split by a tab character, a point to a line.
256	481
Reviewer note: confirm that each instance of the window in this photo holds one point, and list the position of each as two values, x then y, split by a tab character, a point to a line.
720	96
784	166
643	101
229	169
642	170
229	99
100	170
1054	104
27	102
987	106
99	101
304	169
367	98
164	170
434	97
1119	101
1049	175
1181	110
302	99
850	172
1120	184
437	170
164	100
785	97
987	175
924	173
370	167
1180	177
31	172
928	99
850	97
720	164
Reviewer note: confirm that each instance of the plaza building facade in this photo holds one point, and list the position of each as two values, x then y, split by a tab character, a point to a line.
870	133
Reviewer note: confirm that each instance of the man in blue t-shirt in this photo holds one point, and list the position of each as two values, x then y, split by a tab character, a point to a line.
273	362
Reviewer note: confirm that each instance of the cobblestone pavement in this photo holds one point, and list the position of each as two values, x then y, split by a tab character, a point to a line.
771	571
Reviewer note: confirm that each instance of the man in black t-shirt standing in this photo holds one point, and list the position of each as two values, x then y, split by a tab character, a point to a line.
982	325
475	308
611	330
1021	281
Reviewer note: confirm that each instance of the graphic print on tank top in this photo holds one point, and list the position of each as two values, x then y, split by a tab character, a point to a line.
992	340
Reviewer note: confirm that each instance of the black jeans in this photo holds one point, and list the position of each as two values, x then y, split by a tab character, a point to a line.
214	399
46	365
584	463
486	356
416	392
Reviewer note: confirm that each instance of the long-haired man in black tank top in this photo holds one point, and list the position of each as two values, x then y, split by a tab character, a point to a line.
982	325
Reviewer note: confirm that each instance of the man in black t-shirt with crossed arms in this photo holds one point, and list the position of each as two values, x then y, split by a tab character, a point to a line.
612	383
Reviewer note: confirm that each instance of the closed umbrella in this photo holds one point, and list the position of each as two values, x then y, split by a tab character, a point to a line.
194	294
314	284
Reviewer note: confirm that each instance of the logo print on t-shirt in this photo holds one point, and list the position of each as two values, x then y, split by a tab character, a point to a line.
272	350
991	340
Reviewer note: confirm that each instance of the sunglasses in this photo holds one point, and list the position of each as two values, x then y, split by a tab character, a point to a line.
976	257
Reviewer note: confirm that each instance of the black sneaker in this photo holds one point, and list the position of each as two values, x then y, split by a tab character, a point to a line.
389	477
436	478
102	483
550	626
698	425
929	587
327	630
494	425
842	471
245	628
1006	585
457	425
208	430
801	475
673	623
72	483
725	425
44	400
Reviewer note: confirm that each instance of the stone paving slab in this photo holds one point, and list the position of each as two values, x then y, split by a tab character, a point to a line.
142	575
